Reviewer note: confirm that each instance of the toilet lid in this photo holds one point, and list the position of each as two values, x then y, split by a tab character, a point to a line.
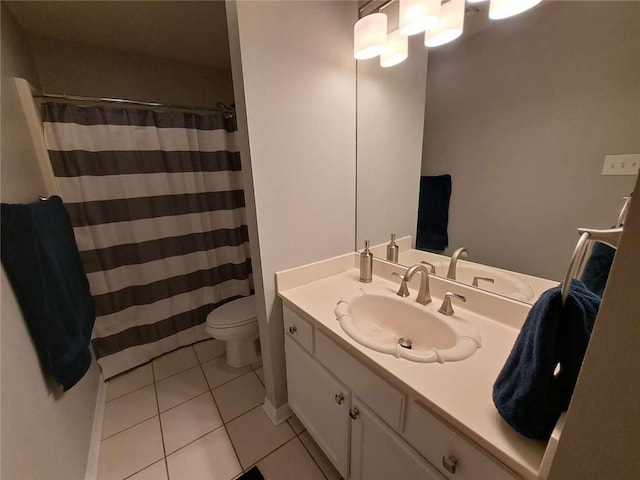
234	313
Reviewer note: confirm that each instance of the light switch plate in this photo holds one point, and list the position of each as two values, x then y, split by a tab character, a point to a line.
621	164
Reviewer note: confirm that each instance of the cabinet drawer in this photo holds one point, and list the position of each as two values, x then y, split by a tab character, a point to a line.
439	444
298	328
385	400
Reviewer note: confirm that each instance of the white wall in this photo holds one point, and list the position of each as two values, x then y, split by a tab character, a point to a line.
298	76
601	436
522	115
78	69
45	433
390	130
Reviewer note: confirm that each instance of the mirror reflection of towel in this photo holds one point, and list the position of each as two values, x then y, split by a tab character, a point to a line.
42	262
433	213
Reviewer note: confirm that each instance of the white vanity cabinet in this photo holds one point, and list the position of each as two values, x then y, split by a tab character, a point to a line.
367	427
320	402
378	453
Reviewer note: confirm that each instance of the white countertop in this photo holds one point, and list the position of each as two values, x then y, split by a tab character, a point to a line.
459	392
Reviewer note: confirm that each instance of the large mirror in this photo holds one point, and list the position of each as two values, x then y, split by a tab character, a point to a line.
521	114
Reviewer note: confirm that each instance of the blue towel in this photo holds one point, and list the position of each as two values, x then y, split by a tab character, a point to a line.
596	270
40	257
433	213
527	394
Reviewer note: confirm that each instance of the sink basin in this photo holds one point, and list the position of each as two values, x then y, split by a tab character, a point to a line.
504	283
389	324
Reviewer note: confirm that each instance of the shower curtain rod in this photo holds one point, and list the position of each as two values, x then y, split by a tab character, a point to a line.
221	107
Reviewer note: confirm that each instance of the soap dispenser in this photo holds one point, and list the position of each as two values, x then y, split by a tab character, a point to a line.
366	264
392	249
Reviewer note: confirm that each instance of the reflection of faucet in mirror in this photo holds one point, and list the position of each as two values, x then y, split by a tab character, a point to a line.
432	267
424	296
484	279
460	252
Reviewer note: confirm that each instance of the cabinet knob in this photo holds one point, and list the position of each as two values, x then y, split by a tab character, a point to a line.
339	398
292	329
354	412
449	463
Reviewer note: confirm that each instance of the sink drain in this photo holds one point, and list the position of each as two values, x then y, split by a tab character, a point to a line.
404	343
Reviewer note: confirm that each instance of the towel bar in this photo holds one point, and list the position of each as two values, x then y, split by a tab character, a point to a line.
610	237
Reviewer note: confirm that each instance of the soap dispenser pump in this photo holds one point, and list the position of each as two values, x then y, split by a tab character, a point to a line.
366	264
393	249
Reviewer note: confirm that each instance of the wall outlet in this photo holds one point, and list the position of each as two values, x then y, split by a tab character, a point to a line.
621	164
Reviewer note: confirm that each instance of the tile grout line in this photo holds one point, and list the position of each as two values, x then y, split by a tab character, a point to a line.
128	393
252	408
224	425
313	459
227	381
164	448
255	464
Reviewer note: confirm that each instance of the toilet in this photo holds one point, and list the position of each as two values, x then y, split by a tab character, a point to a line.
236	324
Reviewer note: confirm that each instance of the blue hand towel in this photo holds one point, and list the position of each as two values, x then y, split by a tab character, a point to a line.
526	393
40	257
433	213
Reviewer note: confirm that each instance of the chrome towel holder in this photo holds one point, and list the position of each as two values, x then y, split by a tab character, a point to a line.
609	237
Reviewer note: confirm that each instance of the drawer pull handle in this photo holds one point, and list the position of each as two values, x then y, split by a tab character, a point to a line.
339	398
354	412
449	463
292	329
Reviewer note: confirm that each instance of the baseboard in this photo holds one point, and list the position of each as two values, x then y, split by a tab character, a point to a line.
96	431
277	415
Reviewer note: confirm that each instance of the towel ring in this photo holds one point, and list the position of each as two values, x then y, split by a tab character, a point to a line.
609	237
623	212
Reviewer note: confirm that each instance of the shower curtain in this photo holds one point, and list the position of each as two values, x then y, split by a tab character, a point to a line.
157	205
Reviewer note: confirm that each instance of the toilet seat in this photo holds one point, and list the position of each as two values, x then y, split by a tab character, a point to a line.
235	313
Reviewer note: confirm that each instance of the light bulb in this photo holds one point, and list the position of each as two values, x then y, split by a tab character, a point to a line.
499	9
369	36
396	51
418	15
449	26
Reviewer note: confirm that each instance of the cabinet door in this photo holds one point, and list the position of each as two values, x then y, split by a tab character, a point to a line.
378	453
320	402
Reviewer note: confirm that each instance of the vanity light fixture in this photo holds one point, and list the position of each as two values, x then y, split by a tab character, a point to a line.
396	51
418	15
450	24
499	9
369	36
441	20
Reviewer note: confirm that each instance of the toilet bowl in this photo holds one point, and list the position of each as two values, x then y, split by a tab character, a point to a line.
236	324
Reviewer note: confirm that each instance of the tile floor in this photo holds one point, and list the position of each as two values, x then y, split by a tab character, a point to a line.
187	415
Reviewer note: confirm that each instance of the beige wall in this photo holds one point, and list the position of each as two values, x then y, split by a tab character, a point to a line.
299	93
522	115
77	69
45	433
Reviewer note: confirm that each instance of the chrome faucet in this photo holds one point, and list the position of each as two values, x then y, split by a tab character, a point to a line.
424	296
460	252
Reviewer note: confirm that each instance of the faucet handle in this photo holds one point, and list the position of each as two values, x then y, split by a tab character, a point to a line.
432	267
403	291
485	279
446	308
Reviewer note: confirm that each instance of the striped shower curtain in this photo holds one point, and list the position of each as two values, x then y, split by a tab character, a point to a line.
157	204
